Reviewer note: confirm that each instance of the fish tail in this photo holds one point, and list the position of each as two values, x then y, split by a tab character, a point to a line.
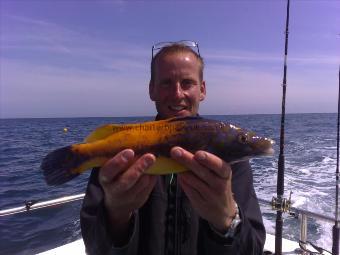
57	166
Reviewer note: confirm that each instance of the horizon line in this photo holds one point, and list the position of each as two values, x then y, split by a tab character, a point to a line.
152	116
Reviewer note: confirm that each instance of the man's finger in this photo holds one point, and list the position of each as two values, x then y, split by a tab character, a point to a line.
129	178
219	166
116	165
187	159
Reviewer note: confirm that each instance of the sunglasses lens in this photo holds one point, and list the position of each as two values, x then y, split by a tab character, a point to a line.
158	46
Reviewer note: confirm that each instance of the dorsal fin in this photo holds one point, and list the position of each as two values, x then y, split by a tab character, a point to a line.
104	131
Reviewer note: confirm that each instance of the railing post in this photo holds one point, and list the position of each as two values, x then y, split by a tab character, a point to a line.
303	229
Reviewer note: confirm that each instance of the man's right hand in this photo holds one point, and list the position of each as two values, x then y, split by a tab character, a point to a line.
126	188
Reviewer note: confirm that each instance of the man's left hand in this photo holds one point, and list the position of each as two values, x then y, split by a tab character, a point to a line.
208	186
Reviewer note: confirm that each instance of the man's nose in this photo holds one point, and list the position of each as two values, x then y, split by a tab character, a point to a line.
177	90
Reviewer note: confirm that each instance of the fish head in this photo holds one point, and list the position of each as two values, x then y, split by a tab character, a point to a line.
240	144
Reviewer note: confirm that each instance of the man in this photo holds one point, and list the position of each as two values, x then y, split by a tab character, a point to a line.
211	209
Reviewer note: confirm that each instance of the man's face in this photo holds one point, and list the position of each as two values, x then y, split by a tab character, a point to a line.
177	89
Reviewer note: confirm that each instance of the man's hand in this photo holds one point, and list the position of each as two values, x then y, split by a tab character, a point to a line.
208	186
126	188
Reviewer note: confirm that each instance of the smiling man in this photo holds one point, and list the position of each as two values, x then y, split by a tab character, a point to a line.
211	209
176	84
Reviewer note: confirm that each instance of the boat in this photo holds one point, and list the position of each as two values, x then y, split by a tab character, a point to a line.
288	246
278	204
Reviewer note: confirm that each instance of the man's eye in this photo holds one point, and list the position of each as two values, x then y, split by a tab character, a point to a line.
187	83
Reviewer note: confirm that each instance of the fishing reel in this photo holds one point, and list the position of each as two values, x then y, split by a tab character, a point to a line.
282	204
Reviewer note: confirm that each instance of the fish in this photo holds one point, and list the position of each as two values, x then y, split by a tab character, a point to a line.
225	140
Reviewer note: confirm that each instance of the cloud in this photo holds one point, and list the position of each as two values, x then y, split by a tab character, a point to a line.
267	58
48	70
71	73
41	91
237	90
23	31
241	89
53	44
52	91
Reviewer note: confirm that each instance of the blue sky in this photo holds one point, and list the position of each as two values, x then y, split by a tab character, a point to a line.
91	58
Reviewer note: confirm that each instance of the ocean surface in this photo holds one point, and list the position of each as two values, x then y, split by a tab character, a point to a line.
310	174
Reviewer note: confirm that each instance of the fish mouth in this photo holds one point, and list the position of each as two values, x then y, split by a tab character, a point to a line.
269	151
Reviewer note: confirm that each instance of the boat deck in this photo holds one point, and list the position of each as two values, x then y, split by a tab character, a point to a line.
77	247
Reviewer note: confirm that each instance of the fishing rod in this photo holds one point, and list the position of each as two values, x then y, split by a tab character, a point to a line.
280	202
336	227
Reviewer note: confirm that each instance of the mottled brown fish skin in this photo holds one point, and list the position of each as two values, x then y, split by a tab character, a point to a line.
192	133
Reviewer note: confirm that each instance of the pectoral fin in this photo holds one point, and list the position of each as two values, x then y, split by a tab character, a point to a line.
164	165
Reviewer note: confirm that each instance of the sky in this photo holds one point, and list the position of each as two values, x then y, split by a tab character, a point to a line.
92	58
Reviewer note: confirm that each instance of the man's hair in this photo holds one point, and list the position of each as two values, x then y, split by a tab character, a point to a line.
176	48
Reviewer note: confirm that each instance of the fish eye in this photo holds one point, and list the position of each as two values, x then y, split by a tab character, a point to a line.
242	138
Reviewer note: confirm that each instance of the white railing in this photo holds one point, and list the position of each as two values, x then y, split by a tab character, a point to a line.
301	214
31	205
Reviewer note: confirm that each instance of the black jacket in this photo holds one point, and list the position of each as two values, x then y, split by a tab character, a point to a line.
167	223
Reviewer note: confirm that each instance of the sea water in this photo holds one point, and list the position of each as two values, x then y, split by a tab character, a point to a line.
310	166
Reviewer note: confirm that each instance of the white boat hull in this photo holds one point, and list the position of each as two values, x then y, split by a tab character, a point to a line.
77	247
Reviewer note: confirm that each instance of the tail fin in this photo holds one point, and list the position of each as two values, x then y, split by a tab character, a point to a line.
58	165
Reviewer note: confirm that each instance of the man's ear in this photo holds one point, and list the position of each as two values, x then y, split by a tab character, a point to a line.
152	91
203	91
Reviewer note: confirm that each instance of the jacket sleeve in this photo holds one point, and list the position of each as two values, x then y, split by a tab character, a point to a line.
250	236
94	223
